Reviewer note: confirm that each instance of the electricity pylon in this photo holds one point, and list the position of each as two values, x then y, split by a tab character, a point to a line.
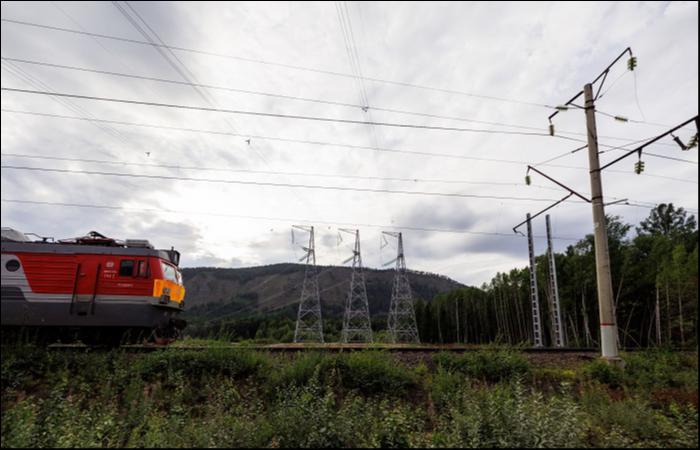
356	322
309	322
402	316
555	308
534	295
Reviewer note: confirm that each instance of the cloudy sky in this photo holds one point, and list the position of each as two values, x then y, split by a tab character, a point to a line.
495	67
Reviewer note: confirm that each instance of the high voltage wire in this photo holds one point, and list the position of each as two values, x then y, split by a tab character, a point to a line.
295	67
190	213
271	184
288	66
296	98
312	118
21	74
355	65
283	116
273	219
331	144
266	172
300	141
289	185
182	69
577	149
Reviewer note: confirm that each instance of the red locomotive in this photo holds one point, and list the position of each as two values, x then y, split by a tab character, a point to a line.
95	288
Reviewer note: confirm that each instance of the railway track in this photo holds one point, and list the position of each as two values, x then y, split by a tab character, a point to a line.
330	348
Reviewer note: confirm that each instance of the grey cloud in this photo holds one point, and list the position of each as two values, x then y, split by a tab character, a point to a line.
438	215
534	53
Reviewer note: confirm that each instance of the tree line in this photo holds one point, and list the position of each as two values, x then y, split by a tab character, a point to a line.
655	283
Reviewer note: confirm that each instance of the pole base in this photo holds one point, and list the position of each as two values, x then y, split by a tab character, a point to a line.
614	361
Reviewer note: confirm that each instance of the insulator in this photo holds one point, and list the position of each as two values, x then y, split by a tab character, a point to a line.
693	142
621	119
551	129
562	108
680	143
528	180
639	167
632	63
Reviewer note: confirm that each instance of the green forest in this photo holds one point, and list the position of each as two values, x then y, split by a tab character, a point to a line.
654	267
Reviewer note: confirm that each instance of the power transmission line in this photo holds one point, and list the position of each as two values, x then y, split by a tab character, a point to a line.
288	66
21	74
313	118
276	115
330	144
271	184
176	64
296	98
271	219
355	65
302	68
265	172
577	149
306	174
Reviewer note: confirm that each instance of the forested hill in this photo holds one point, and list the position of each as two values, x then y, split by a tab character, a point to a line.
215	292
654	271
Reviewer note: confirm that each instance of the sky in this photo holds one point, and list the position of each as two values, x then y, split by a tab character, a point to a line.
490	69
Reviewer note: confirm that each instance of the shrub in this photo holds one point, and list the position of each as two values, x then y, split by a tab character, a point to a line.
510	416
633	422
299	371
661	368
446	386
19	425
373	372
369	372
485	365
196	363
309	416
604	372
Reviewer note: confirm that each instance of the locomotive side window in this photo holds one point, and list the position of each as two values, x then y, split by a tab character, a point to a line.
143	269
126	268
12	265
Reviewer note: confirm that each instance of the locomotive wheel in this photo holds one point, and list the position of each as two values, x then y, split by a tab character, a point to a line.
168	334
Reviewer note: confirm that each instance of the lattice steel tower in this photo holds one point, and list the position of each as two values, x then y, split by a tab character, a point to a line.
402	316
309	322
357	326
534	295
555	308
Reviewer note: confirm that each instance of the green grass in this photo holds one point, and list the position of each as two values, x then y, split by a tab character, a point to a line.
245	398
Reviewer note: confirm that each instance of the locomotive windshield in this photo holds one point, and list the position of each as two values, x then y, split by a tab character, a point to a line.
170	273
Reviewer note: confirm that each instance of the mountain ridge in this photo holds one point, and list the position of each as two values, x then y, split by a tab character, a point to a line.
215	292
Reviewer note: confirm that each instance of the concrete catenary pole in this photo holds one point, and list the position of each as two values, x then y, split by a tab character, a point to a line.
608	325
